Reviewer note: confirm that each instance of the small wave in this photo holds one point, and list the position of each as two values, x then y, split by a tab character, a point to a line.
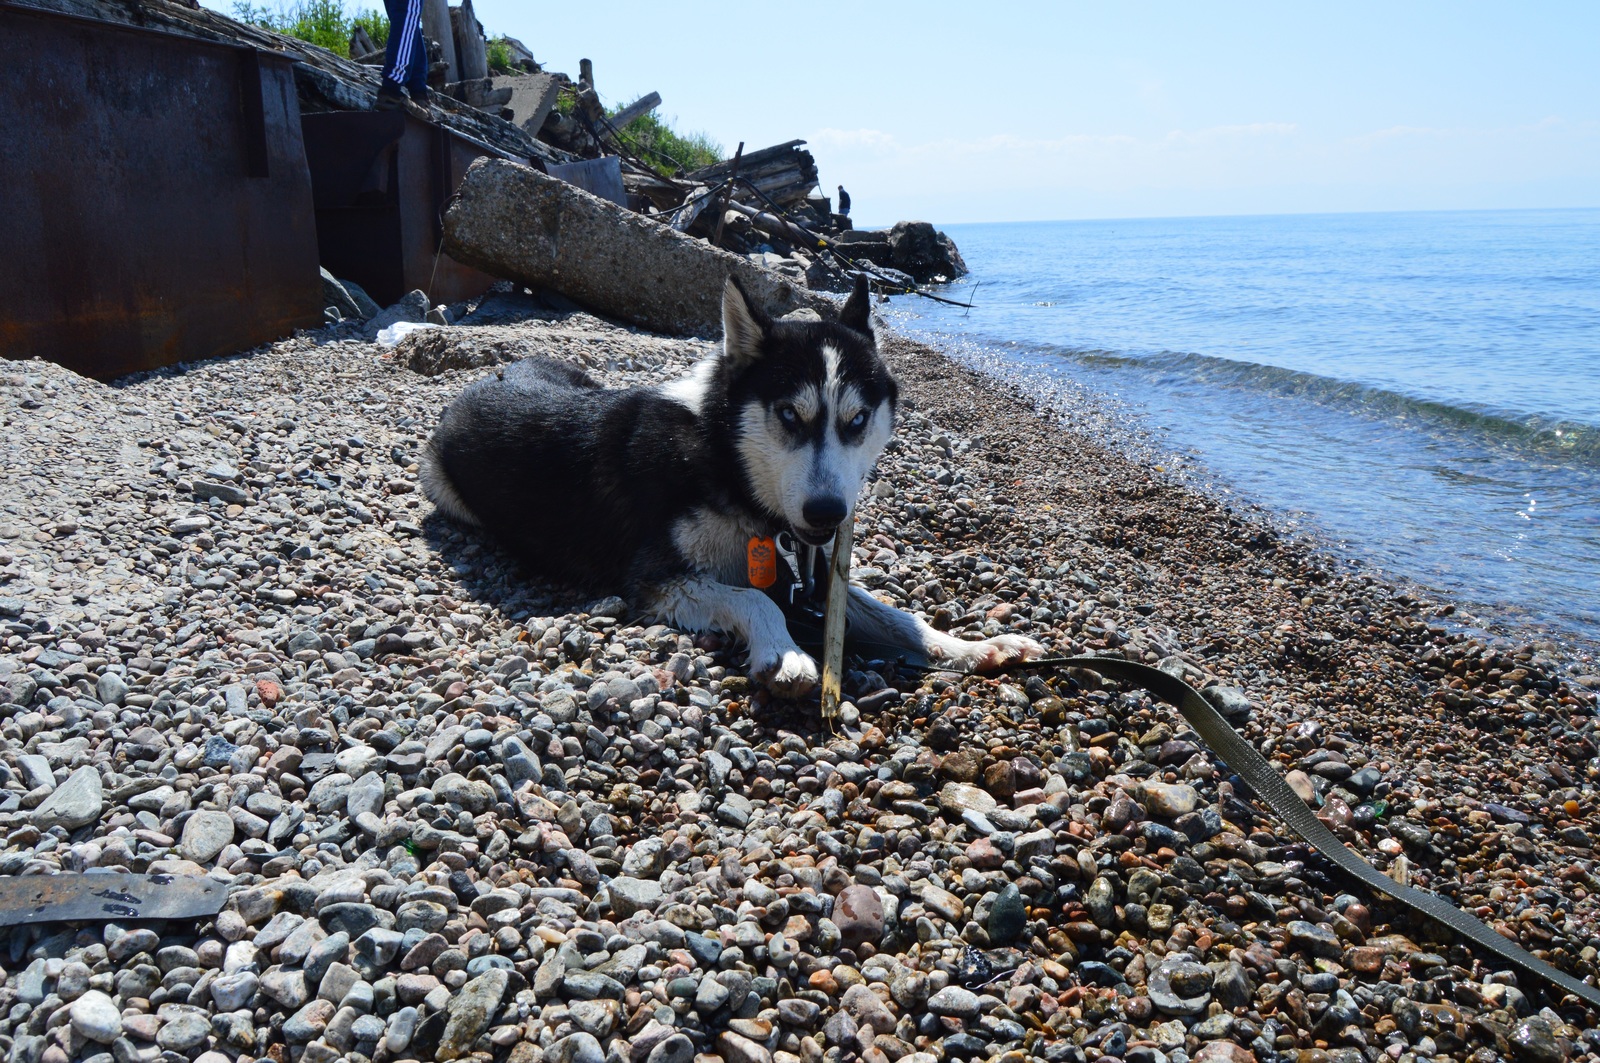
1567	441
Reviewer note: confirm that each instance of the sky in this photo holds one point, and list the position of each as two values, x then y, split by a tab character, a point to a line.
963	112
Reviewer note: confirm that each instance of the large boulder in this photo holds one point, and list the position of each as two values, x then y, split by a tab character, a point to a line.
515	222
919	249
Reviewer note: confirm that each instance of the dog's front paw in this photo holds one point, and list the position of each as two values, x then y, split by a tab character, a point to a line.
990	654
791	674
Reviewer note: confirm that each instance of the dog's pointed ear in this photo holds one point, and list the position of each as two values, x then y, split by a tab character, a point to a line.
857	312
744	328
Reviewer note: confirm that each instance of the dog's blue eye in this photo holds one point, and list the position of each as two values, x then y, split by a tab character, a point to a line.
787	415
859	420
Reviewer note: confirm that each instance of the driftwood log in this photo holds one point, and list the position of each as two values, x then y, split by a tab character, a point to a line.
786	173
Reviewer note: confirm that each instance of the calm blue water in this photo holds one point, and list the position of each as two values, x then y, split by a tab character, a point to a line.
1421	389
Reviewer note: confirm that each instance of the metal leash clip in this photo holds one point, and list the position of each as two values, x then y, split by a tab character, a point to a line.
787	548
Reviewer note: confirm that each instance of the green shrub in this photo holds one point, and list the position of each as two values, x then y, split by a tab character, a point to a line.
500	61
321	22
376	23
666	150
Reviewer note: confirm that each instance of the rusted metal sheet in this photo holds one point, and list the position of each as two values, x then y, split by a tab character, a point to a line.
602	176
157	204
381	181
77	898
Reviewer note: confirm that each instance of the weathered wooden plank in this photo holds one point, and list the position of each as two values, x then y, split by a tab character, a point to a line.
472	50
784	173
753	161
436	26
517	223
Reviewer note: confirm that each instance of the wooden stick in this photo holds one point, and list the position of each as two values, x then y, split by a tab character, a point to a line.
833	621
722	208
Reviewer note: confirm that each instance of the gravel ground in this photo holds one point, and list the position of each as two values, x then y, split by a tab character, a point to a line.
464	814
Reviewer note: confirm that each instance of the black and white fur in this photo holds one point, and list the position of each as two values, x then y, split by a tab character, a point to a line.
657	491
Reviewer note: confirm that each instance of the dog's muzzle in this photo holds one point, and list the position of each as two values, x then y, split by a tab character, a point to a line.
815	537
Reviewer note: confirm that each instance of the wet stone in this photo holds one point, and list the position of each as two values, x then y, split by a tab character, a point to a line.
1169	801
1315	938
1007	916
1101	901
1534	1041
1180	986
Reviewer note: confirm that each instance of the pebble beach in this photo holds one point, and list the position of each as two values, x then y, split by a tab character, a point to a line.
462	814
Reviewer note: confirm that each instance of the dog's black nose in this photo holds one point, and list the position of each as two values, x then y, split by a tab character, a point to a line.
823	512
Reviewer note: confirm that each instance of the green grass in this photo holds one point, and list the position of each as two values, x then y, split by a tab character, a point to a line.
656	143
667	150
321	22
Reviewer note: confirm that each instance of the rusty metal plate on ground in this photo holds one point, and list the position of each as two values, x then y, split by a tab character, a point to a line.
76	898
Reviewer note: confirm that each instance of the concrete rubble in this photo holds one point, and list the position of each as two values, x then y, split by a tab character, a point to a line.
515	222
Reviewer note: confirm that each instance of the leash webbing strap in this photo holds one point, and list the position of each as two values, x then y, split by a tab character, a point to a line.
1271	787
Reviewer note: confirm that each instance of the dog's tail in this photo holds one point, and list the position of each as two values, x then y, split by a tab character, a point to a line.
440	489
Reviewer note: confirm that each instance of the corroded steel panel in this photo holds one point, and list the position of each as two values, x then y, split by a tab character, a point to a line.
157	206
381	181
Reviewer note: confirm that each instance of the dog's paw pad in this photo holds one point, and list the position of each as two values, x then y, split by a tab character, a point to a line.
792	675
1003	650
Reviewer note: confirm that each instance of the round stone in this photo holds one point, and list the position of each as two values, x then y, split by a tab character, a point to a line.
205	835
96	1017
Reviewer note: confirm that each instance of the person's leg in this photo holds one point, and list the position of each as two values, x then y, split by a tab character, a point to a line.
405	32
417	81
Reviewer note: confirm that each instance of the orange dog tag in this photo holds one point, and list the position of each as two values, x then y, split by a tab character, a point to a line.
762	557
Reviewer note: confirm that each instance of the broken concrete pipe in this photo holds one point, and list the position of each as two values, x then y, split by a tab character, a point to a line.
515	222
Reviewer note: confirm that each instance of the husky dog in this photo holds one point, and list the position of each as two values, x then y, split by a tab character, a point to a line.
659	491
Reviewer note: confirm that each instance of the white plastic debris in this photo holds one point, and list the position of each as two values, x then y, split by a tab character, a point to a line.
400	330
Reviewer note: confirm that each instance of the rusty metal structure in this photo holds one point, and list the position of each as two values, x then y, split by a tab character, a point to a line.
381	181
158	207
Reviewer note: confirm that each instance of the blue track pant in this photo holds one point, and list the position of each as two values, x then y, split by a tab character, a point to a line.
405	61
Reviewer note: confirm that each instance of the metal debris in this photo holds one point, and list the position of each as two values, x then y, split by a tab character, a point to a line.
74	898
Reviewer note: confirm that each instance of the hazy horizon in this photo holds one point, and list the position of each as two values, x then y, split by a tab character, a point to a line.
1259	214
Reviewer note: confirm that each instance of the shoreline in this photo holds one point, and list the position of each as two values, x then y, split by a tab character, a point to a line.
1505	624
555	747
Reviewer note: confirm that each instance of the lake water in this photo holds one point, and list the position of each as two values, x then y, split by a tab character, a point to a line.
1422	390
